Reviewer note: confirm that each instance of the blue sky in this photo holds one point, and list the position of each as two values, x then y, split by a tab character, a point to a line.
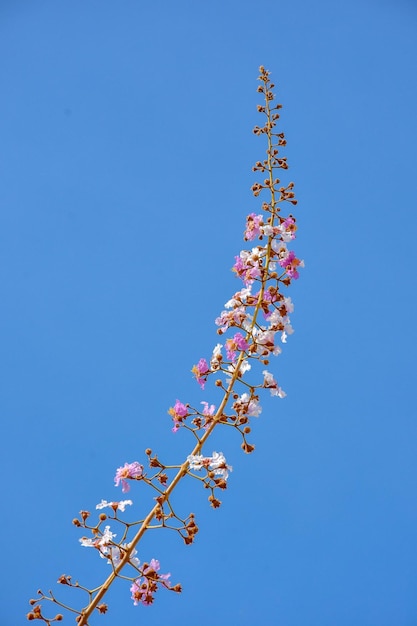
126	155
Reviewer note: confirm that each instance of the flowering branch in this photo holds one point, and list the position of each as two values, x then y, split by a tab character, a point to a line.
257	320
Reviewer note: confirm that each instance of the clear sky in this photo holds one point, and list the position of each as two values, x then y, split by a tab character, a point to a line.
125	155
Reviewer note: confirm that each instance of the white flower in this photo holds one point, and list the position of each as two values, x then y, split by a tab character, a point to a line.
245	292
271	384
278	392
239	297
267	230
120	505
244	367
99	542
289	305
219	466
217	350
107	536
114	555
87	543
195	461
254	409
217	463
266	339
279	247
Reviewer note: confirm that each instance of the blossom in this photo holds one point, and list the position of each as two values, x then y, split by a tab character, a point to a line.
114	554
178	412
195	461
290	263
271	384
129	470
238	298
219	466
114	505
265	341
199	371
288	228
143	589
208	411
237	343
253	223
247	264
269	231
248	405
216	463
216	356
236	317
98	542
245	366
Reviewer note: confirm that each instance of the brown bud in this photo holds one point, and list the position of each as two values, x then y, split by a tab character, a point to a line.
214	502
76	522
148	451
64	580
103	516
221	483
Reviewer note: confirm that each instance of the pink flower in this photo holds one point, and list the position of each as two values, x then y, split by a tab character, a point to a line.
288	229
290	263
247	265
253	223
231	318
208	413
178	412
128	471
143	589
200	370
237	343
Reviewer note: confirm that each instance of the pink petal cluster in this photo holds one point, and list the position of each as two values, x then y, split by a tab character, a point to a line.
288	229
237	343
253	223
143	589
247	265
231	318
200	371
290	263
179	412
128	471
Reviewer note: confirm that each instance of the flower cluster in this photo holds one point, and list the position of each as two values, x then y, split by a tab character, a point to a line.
144	588
254	325
215	463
